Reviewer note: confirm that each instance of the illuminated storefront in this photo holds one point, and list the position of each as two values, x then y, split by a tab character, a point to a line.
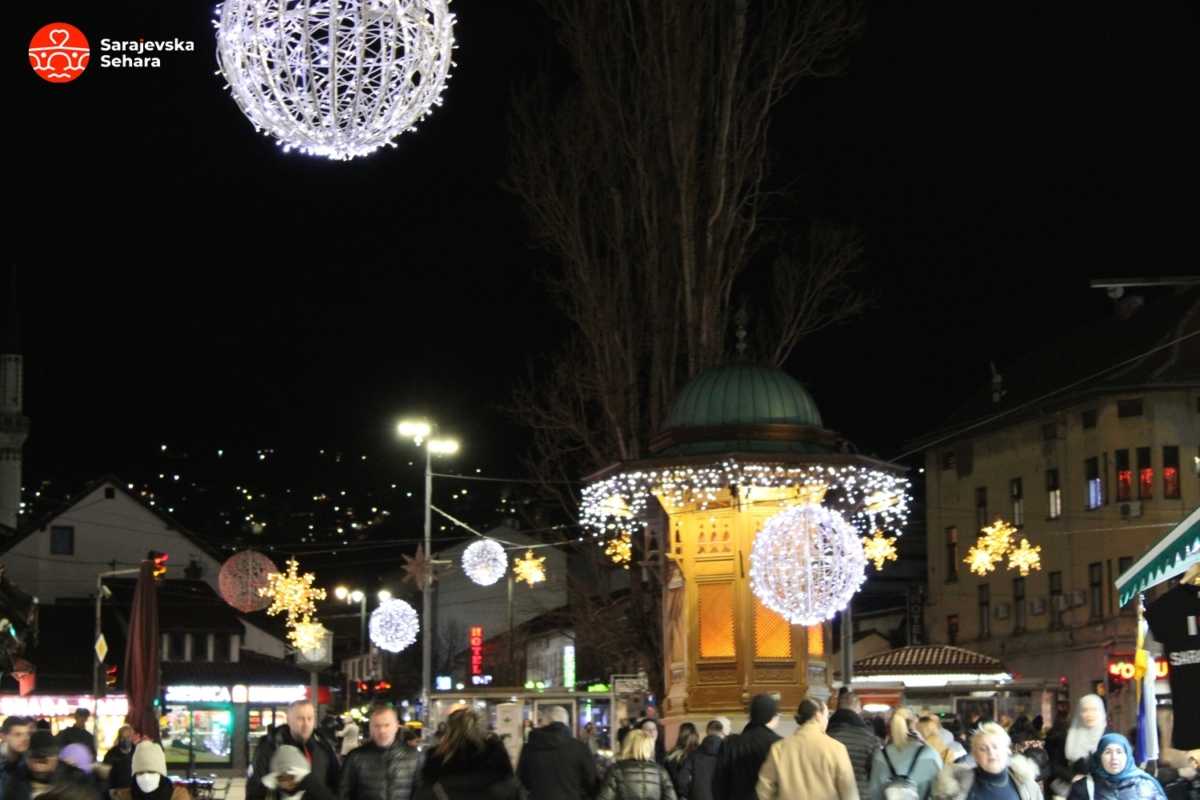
108	714
219	726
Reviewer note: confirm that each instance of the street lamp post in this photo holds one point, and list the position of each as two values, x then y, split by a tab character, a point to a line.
360	597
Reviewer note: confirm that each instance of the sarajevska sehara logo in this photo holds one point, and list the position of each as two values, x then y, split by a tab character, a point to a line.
59	52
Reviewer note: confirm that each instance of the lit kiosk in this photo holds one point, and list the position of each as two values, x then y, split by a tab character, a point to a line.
744	450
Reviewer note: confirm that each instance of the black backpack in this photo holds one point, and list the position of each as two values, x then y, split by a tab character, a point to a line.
902	787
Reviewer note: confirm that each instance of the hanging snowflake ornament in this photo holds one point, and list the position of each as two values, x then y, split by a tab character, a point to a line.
880	549
394	625
1025	558
335	78
806	563
485	562
620	549
308	637
242	576
292	593
997	538
980	559
531	568
418	569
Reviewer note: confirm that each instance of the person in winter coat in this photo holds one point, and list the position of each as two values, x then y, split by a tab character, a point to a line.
553	764
996	776
695	781
687	741
384	768
291	778
78	733
150	781
930	732
301	733
1114	775
636	776
905	756
742	755
468	764
41	769
351	737
808	765
119	759
1070	753
846	725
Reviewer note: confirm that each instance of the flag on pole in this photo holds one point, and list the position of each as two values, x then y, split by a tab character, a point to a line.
1146	675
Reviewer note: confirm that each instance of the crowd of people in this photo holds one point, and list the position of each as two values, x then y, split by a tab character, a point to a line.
835	753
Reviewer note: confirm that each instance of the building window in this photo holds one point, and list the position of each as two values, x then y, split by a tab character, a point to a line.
951	554
1018	605
1017	493
1095	490
1124	476
981	514
1095	582
948	459
1171	472
1123	565
1089	418
985	611
220	648
715	601
952	628
109	493
62	540
176	646
1145	474
1056	599
1054	494
1129	408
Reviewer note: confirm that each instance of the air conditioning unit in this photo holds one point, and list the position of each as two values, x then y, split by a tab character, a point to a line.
1002	611
1078	598
1037	606
1131	510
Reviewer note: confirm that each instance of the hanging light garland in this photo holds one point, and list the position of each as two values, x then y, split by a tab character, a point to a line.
1025	558
620	549
485	562
531	568
869	499
394	625
806	564
335	78
880	549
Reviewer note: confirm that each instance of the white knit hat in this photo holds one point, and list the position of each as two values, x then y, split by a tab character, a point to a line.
148	757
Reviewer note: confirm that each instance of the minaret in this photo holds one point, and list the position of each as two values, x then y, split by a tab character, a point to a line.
14	425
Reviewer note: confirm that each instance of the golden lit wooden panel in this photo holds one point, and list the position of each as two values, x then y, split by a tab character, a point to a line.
716	620
772	633
816	640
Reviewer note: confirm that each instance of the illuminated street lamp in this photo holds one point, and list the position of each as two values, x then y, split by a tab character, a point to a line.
352	596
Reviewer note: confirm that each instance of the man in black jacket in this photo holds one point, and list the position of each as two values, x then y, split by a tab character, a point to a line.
696	777
42	770
742	755
554	765
847	726
384	768
300	733
78	733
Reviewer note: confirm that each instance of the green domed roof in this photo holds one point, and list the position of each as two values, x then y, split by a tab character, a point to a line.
743	394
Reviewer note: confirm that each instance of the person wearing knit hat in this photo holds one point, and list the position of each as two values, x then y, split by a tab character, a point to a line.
290	777
742	755
42	769
150	781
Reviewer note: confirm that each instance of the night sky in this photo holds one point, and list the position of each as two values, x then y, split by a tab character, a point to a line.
184	282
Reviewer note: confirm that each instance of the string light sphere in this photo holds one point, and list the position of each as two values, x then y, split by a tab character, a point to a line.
620	549
292	593
394	625
806	564
997	538
980	559
1025	558
485	562
241	578
335	78
531	568
880	549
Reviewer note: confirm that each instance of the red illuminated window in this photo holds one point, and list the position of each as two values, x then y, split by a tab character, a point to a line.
1124	477
1171	472
1145	474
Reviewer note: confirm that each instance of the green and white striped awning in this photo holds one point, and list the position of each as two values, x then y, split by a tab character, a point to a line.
1173	554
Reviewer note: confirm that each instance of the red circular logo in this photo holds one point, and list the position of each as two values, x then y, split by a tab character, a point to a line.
59	52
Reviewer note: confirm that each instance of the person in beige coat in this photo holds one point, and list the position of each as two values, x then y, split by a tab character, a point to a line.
808	765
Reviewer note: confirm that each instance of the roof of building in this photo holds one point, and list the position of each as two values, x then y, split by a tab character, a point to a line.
928	659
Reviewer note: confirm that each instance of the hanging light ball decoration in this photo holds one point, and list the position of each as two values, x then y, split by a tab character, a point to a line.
242	576
806	564
335	78
485	562
394	625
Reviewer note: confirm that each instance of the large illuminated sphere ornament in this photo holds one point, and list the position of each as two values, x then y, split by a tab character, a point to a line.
485	562
394	625
806	564
242	576
335	78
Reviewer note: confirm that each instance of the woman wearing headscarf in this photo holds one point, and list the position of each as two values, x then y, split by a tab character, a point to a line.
1070	755
1114	775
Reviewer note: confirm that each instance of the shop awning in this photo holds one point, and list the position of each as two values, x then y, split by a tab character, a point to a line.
1173	554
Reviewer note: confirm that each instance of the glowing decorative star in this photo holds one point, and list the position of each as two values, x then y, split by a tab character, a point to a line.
292	593
980	559
1025	558
620	549
997	538
531	568
880	549
418	568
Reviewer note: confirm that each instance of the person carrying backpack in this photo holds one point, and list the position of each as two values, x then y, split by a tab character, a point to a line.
907	767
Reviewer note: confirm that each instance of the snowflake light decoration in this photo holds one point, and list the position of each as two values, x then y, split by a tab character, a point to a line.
335	78
806	564
980	559
308	637
1025	558
620	549
880	549
292	593
394	625
531	568
997	538
485	562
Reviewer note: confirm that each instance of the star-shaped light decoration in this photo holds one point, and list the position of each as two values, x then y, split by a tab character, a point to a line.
418	568
880	549
980	559
531	568
997	538
1025	558
620	549
292	593
307	636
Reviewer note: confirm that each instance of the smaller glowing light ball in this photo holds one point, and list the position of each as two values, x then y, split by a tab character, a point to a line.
485	562
394	625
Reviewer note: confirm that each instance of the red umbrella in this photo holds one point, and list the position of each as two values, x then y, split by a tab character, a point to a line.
142	655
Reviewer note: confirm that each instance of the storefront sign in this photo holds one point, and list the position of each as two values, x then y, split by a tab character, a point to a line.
481	680
1124	669
444	683
476	642
61	706
265	695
